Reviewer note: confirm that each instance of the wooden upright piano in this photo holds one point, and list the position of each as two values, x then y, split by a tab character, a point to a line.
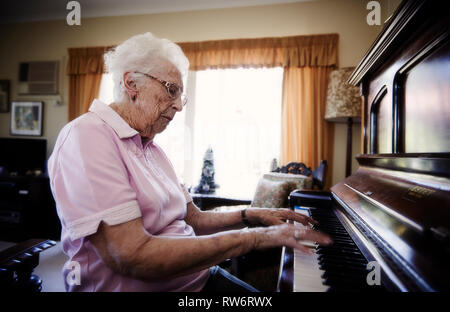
390	221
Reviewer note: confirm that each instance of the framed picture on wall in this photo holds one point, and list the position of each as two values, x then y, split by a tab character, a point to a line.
4	96
26	118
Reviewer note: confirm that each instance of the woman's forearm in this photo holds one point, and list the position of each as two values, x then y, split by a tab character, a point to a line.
129	249
169	257
209	222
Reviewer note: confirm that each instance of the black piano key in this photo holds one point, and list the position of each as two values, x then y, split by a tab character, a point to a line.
330	223
335	253
342	259
323	251
338	248
345	263
338	252
333	231
340	243
347	288
345	275
349	263
343	239
343	269
342	281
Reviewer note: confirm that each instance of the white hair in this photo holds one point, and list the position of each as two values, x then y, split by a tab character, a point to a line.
142	53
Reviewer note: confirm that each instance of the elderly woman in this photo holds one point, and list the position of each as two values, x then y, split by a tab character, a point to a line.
128	223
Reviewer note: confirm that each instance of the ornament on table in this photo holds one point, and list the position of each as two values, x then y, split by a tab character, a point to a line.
207	184
274	165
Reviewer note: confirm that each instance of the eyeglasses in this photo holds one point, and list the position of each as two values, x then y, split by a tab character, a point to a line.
172	88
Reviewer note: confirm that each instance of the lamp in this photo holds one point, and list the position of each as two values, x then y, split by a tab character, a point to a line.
343	105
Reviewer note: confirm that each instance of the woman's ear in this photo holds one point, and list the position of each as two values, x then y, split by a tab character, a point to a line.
129	82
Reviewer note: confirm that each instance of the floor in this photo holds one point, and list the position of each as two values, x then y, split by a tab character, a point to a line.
51	262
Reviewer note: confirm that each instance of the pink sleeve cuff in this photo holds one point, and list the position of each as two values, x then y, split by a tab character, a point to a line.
88	225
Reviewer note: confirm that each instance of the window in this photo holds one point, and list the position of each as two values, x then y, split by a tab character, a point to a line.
105	94
236	112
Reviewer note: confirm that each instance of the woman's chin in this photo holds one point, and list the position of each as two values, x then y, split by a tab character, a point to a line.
160	127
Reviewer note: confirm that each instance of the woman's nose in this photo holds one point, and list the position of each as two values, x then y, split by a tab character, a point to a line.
178	105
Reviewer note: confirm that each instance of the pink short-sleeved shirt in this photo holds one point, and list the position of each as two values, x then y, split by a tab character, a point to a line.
100	171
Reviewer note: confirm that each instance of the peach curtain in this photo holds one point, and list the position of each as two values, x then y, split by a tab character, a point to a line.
85	69
307	62
297	51
306	136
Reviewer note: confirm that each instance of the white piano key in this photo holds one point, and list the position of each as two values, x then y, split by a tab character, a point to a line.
307	274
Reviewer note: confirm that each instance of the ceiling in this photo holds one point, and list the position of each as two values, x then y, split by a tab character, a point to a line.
12	11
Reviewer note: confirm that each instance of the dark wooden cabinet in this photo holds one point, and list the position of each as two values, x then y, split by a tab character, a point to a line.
405	83
27	209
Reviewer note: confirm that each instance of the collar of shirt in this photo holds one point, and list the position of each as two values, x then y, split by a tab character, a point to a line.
120	126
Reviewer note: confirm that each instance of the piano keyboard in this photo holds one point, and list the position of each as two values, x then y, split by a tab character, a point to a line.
339	267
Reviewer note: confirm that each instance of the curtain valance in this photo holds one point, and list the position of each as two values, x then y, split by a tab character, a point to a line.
296	51
86	60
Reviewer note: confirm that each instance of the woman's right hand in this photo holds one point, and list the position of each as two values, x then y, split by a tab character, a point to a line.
289	235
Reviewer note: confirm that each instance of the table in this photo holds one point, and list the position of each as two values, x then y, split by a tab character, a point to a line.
210	201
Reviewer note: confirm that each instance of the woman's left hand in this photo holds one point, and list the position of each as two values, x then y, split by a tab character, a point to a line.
275	216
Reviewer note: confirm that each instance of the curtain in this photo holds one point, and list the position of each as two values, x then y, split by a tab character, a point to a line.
85	68
297	51
306	136
307	62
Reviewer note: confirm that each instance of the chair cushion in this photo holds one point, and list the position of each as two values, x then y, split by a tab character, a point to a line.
274	188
